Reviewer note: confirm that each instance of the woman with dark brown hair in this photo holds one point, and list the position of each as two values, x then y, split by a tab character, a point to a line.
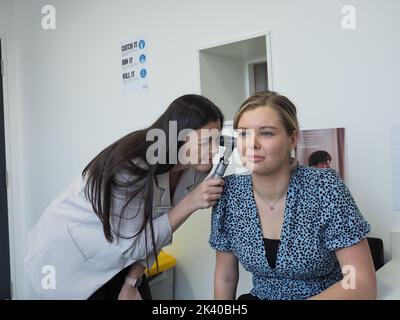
98	236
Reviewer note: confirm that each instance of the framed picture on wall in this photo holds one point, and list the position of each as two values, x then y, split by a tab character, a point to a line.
324	148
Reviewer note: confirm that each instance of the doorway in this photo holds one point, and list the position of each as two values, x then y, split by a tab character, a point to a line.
233	71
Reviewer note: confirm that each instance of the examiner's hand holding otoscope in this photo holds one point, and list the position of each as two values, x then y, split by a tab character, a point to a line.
206	194
229	143
209	191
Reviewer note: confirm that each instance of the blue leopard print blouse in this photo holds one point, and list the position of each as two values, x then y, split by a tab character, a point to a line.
320	217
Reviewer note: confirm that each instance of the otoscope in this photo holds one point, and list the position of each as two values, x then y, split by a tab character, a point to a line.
229	143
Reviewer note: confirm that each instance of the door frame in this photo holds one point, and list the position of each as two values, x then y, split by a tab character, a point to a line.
8	164
268	50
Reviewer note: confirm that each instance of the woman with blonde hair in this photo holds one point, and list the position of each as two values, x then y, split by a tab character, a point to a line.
293	227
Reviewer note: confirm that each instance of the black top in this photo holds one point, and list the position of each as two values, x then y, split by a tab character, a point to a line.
271	250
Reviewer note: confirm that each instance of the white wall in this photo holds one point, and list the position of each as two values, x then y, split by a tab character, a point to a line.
65	101
223	81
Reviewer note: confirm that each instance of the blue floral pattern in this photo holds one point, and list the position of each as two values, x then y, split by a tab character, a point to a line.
320	217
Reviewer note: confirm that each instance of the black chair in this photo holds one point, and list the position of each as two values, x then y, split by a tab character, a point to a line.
376	247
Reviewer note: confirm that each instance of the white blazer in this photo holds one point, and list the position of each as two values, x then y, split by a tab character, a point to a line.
68	256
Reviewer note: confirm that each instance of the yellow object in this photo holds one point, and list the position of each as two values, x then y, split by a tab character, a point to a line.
165	262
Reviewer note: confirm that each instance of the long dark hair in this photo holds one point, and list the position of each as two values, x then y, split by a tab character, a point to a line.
101	174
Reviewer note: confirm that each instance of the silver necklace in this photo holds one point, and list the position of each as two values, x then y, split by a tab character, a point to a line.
271	205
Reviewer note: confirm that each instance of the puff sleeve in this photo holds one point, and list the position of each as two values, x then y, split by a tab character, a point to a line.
343	223
219	237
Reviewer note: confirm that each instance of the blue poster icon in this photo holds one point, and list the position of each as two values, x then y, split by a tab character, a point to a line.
141	44
143	73
142	58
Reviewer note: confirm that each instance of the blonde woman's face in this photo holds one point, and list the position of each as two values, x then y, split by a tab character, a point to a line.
263	143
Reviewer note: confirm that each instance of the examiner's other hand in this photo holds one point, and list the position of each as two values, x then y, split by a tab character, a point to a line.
129	293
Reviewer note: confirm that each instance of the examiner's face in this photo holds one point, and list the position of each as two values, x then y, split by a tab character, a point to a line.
202	145
263	143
